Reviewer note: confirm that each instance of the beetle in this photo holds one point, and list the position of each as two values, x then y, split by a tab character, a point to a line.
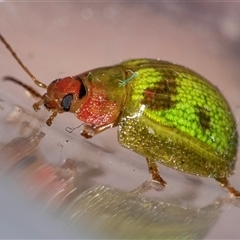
165	112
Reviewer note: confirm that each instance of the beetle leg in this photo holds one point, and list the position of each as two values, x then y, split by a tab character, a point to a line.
225	183
154	171
90	130
50	119
36	106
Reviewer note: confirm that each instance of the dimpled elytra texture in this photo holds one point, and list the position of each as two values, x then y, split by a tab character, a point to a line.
176	117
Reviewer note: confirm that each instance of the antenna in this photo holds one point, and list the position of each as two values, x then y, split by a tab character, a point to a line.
42	85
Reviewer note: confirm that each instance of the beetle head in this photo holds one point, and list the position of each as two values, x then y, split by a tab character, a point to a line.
63	95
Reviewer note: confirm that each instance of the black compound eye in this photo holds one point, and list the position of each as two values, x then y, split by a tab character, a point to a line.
82	92
66	102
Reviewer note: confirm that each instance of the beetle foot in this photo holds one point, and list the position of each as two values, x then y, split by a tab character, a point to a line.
88	131
36	106
225	183
234	192
158	179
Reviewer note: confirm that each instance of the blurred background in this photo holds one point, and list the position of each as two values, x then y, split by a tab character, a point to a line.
51	180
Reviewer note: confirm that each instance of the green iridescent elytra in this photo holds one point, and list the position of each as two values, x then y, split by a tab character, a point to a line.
175	117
